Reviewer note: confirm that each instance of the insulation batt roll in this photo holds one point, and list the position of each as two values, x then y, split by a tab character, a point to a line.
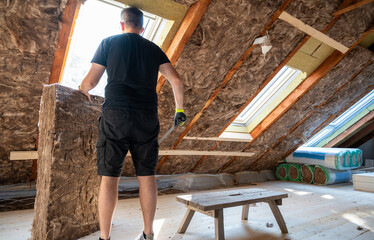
356	159
282	172
294	172
335	158
307	173
326	176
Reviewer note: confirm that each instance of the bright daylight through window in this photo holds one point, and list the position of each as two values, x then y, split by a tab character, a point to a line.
98	20
281	85
347	119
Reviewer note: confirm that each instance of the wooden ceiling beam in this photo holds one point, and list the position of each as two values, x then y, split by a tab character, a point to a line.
320	105
352	130
227	78
360	137
349	5
185	31
69	15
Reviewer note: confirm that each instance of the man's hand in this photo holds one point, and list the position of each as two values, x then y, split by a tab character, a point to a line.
179	117
85	93
92	79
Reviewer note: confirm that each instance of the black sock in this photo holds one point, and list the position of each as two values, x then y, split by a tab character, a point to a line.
103	239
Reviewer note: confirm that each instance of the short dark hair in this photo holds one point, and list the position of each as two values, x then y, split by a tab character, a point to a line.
132	17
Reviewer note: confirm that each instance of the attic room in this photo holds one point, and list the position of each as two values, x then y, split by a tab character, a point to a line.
278	137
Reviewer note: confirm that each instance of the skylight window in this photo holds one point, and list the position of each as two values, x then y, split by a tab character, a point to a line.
275	86
347	118
99	19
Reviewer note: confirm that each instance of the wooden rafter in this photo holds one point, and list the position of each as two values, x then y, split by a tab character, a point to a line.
185	31
226	79
368	119
320	105
271	117
360	137
349	5
68	18
330	119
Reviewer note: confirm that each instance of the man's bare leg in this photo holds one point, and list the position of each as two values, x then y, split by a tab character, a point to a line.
148	201
108	197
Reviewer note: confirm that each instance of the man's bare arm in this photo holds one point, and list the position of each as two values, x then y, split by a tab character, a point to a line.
92	79
168	71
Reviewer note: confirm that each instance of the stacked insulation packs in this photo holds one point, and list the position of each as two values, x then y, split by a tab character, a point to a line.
320	165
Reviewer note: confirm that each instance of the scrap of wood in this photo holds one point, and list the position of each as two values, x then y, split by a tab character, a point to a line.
201	153
23	155
313	32
349	5
218	139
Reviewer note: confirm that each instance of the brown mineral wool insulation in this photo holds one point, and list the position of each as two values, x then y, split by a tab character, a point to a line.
338	102
274	133
245	82
352	24
282	172
219	41
306	174
68	184
319	176
324	89
28	36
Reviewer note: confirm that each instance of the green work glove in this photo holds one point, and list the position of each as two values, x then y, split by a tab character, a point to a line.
179	117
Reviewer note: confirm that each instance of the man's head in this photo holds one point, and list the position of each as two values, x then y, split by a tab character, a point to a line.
132	20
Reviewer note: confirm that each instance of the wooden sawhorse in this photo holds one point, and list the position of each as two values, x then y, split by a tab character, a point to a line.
213	203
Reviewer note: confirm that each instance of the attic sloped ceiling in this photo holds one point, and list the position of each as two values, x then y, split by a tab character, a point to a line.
215	47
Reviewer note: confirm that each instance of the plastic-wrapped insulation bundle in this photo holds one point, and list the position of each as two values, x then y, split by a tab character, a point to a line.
294	172
326	176
307	173
356	158
335	158
282	172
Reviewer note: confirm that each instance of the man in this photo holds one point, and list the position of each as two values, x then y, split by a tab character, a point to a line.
129	118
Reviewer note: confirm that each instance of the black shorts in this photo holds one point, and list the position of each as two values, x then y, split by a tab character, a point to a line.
122	130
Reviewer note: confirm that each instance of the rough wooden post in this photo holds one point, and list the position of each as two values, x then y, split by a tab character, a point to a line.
67	184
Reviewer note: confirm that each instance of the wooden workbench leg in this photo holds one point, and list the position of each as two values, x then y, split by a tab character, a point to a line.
278	216
218	224
245	212
186	220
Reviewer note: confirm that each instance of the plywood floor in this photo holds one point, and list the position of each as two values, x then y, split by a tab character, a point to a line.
311	212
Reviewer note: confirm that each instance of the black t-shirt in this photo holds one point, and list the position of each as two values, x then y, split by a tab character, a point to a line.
132	63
